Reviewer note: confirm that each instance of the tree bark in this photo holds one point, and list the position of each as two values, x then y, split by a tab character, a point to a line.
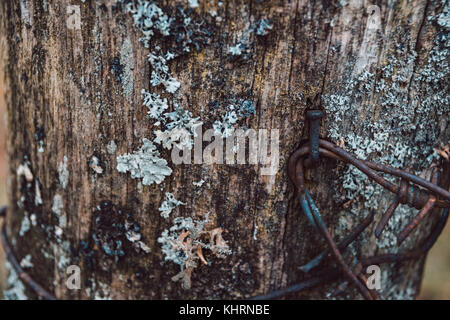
75	105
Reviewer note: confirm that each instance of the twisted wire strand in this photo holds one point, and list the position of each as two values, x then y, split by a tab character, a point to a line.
424	196
332	274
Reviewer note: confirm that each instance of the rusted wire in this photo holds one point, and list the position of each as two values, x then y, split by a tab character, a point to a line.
331	274
25	277
415	196
311	209
385	218
412	195
321	278
413	191
341	245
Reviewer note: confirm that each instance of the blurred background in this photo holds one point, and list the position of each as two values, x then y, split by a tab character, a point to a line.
436	282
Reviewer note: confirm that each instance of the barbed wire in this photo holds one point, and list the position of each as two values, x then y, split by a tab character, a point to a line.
412	191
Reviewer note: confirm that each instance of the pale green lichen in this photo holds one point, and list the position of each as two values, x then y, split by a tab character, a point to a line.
25	225
144	164
15	287
235	50
444	18
182	245
111	147
155	104
180	129
169	204
234	112
198	183
41	146
263	27
193	3
25	12
135	238
225	127
63	173
149	18
26	262
57	209
160	72
127	60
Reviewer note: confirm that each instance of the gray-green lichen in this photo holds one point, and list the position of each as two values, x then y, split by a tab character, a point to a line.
155	104
149	18
160	72
63	173
198	183
37	193
135	238
26	262
57	209
15	288
244	45
28	220
234	111
182	245
25	225
180	129
24	170
168	205
177	127
127	60
144	163
61	252
444	18
111	147
263	27
193	3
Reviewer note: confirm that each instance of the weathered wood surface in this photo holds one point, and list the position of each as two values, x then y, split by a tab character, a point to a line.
382	82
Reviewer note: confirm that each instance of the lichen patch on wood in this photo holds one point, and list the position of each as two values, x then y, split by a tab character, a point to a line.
144	163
